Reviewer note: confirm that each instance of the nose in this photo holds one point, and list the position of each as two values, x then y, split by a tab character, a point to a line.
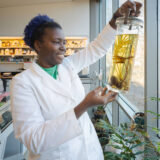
62	47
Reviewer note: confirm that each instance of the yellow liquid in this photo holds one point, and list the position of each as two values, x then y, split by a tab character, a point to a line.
122	61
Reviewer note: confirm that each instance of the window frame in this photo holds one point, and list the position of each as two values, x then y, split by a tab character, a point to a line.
151	63
158	62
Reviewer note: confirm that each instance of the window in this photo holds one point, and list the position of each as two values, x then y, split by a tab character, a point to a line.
142	85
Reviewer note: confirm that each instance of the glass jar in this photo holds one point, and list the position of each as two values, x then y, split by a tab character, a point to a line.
124	53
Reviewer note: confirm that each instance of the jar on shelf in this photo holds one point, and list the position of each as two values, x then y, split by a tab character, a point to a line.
7	44
7	51
3	44
2	52
124	53
22	43
16	51
11	51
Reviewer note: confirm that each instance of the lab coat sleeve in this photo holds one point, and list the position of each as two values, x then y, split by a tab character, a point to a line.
30	127
94	51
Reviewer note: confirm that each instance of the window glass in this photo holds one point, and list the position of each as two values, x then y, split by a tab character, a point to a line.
109	53
123	118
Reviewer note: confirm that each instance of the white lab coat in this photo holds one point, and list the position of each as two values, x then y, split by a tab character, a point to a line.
43	108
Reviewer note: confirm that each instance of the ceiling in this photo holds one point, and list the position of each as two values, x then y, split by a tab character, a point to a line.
11	3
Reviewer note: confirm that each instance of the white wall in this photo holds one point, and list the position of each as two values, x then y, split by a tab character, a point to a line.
72	16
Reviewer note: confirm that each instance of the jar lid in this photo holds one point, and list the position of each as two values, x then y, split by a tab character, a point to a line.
129	21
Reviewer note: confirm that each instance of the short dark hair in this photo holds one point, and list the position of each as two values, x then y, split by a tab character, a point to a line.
36	29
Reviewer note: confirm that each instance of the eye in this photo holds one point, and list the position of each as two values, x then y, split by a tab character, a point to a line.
56	42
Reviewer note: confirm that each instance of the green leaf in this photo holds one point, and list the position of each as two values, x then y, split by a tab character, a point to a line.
133	140
137	145
153	113
112	156
156	130
117	140
137	153
116	146
155	99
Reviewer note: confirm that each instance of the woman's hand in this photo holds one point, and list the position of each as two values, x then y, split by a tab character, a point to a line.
95	97
99	97
128	8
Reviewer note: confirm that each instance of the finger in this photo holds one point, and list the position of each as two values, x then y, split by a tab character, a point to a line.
127	7
99	90
138	5
112	91
112	99
109	98
113	94
130	5
104	91
138	13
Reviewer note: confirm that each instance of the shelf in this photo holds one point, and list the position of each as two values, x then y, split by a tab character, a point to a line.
30	48
15	48
1	77
76	38
75	47
18	55
12	62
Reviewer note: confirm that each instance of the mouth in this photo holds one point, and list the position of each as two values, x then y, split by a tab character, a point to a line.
60	56
62	53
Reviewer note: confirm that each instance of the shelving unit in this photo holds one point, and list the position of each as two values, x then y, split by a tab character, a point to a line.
74	44
15	54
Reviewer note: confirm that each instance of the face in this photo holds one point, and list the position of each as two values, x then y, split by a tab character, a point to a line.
51	49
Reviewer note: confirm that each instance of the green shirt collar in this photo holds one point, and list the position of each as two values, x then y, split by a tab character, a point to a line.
52	71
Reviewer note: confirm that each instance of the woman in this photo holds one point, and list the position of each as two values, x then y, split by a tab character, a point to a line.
48	100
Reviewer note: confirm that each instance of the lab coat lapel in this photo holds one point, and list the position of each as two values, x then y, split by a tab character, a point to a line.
60	87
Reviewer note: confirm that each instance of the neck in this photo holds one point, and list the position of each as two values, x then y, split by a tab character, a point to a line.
44	64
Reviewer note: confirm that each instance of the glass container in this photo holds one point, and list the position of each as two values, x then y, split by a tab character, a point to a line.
124	53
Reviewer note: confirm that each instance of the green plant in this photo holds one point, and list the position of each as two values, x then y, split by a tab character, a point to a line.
103	135
125	138
129	139
155	129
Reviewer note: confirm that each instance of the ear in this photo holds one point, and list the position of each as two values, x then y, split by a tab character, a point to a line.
37	45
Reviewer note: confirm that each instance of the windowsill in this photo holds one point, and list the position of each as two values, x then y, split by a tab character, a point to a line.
127	106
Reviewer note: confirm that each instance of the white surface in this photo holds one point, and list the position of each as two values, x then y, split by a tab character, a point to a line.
11	67
72	16
6	3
